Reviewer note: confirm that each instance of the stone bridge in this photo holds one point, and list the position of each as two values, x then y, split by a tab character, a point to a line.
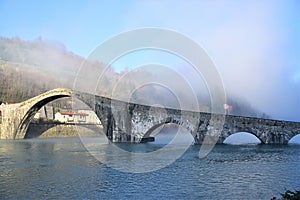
129	122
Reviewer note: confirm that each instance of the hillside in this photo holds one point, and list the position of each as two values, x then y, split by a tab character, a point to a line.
29	68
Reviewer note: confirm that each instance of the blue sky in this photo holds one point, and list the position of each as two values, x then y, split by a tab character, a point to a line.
254	44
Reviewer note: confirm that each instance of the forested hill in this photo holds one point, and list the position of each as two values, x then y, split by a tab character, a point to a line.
29	68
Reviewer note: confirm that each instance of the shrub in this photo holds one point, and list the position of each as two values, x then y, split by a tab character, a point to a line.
289	195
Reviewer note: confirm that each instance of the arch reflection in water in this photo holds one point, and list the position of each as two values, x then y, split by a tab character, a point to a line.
242	138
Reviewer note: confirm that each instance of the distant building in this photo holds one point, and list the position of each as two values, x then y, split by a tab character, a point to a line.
82	116
63	117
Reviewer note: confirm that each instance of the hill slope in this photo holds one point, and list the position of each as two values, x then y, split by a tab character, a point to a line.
29	68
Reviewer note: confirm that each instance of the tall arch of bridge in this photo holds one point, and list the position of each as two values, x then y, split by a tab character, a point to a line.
30	107
17	117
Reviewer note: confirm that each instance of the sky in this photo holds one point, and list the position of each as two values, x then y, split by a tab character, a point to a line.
255	45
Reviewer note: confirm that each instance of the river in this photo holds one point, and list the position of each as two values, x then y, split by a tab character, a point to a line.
62	168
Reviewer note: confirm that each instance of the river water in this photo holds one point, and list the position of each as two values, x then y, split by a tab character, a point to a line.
62	168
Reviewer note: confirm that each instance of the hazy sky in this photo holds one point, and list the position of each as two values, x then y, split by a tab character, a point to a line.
254	44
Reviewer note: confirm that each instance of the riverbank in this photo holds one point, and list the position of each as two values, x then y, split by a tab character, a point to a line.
63	130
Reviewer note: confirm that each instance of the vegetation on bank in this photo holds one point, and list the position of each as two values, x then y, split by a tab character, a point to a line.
289	195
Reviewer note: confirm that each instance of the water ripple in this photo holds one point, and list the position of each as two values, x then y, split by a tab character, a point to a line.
63	169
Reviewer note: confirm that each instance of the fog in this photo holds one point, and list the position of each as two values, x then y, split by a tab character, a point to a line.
254	45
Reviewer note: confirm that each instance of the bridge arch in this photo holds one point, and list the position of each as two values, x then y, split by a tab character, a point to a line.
295	139
166	132
229	133
242	138
32	106
187	126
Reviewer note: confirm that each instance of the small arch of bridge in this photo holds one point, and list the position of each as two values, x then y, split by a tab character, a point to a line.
242	138
168	133
189	127
295	139
255	132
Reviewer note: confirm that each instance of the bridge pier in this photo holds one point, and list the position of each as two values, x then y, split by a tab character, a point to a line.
10	120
